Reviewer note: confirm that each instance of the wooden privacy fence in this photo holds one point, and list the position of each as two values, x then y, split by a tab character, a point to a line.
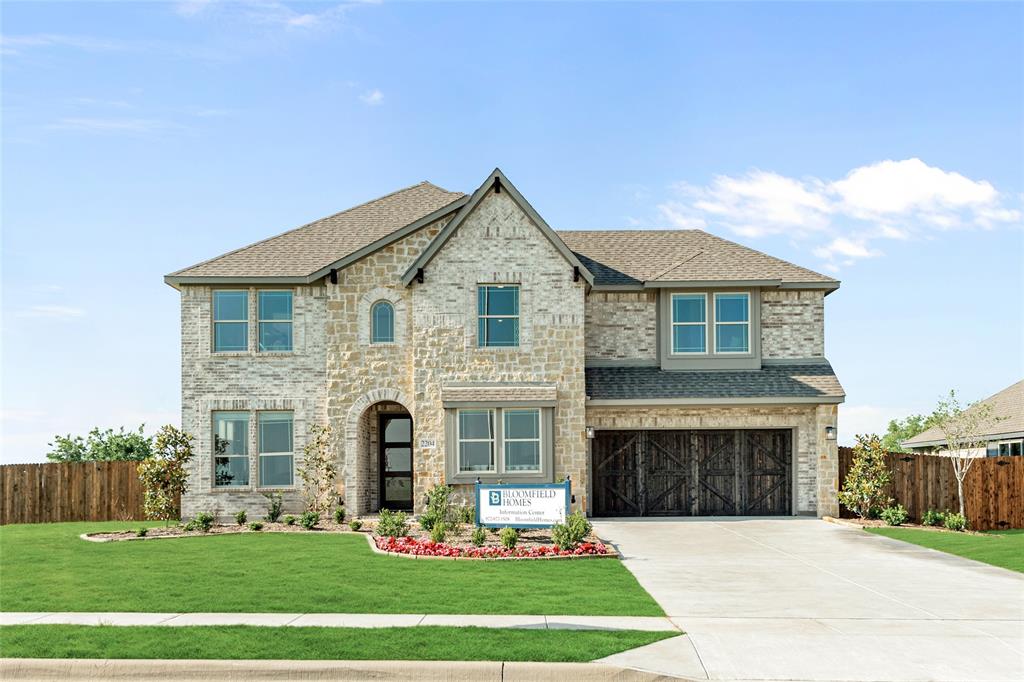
70	491
993	489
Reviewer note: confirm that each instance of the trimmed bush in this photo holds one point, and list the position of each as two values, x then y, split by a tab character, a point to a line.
275	506
339	515
255	525
309	520
509	538
240	517
479	536
955	522
392	524
571	533
355	524
933	517
439	531
289	520
467	514
202	522
895	515
141	532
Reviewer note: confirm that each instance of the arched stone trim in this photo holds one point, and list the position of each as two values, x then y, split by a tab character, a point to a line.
356	476
365	307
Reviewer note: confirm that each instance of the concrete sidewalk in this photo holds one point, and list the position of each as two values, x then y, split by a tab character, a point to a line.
23	669
343	620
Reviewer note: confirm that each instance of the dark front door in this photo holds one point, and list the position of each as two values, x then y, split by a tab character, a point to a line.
699	473
395	461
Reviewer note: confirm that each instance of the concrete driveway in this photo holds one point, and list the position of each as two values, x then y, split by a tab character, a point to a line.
802	599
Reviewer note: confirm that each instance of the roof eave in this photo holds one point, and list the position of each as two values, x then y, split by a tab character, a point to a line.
761	400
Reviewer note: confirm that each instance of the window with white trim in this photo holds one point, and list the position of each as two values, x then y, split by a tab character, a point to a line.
521	439
275	319
276	449
498	315
732	323
476	440
230	449
230	321
382	322
1006	448
689	324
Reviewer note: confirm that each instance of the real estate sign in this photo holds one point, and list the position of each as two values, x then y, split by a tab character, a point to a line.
527	505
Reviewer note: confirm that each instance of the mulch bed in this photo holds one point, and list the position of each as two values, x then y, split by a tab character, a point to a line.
878	523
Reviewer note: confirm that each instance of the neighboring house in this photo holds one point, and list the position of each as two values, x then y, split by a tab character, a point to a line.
1004	435
446	338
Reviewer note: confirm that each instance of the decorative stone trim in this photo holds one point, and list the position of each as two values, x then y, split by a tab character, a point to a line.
365	306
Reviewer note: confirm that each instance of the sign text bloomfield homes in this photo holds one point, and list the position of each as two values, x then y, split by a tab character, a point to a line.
534	505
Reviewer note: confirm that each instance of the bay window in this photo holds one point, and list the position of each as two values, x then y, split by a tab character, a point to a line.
509	442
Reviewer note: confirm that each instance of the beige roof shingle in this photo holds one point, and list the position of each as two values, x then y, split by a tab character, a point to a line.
635	256
1007	408
307	249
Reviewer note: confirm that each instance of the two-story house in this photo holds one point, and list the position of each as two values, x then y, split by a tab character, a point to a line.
447	338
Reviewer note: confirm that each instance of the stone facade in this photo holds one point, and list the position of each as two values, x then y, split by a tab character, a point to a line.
817	459
336	376
792	324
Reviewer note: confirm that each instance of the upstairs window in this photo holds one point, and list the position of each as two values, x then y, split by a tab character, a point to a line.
230	321
732	323
275	318
689	323
498	311
231	449
382	323
277	454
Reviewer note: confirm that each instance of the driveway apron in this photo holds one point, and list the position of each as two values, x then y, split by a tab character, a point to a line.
802	599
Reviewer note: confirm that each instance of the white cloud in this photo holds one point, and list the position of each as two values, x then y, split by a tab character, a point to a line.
372	97
56	312
886	200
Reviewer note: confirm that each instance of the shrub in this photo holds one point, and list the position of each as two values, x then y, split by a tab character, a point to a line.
438	532
275	506
933	517
955	522
392	524
509	538
255	525
355	524
141	532
863	490
439	507
339	515
318	471
289	520
467	514
240	517
309	520
164	475
202	522
895	516
571	533
479	536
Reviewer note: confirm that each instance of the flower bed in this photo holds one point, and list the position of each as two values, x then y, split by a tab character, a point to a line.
415	547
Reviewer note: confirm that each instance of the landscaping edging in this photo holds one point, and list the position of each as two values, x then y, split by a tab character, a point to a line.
377	550
872	523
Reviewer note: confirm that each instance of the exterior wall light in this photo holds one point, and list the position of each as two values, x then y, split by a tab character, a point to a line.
830	433
590	433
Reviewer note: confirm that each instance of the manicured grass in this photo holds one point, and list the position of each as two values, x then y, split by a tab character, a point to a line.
1003	548
46	567
245	642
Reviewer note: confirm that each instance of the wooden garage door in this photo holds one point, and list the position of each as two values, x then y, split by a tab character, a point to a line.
698	473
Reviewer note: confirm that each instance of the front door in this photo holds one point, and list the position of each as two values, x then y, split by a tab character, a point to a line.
395	462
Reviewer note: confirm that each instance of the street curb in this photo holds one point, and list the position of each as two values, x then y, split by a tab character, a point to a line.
24	669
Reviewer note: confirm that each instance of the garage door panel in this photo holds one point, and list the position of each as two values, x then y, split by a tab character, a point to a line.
697	472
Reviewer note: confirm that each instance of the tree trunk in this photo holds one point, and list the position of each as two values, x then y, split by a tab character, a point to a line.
960	494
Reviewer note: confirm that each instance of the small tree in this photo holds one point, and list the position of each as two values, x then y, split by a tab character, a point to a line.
963	428
318	472
102	446
164	475
863	490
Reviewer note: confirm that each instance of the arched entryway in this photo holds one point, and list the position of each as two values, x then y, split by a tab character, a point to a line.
379	453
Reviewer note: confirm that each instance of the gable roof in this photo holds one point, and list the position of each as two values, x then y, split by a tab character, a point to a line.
1007	408
666	257
308	252
498	182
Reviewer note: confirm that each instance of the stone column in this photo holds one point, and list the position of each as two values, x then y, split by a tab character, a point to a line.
828	461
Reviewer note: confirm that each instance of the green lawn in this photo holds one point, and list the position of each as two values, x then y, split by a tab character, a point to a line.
244	642
1003	548
46	567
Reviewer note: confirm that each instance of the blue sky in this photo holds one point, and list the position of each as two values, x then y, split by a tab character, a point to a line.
880	143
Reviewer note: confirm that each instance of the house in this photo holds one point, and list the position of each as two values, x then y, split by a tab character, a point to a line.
446	338
1004	434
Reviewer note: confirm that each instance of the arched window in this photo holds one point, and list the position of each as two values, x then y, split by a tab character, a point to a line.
382	318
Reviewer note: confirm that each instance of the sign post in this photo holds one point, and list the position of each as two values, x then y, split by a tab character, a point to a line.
522	505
